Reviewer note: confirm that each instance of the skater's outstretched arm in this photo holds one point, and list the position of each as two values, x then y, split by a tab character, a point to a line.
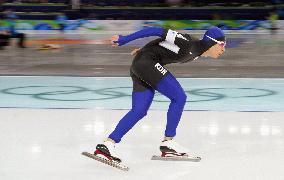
119	40
170	36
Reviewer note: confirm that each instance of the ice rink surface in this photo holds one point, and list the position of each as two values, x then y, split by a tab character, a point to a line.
47	144
46	122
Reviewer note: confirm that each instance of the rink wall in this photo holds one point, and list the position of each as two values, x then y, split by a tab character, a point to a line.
132	25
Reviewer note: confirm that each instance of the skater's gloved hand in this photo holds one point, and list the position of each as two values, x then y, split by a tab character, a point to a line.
118	40
114	40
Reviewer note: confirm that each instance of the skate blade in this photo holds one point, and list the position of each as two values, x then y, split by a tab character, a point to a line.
182	158
105	161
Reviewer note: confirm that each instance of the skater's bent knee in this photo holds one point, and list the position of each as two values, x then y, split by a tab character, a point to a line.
180	98
140	113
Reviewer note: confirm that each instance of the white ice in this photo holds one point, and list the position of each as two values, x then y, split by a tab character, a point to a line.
46	144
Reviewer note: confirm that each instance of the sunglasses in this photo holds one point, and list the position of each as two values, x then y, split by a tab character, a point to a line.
221	43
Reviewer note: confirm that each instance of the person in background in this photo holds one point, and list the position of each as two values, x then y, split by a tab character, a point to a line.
11	17
4	38
273	18
61	20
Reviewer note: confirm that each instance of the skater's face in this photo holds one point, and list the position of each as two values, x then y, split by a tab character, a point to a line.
216	51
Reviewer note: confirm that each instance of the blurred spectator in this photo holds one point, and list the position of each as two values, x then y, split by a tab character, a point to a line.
11	17
61	21
273	18
4	39
75	4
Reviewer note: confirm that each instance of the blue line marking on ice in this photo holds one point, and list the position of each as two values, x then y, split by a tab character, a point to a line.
203	94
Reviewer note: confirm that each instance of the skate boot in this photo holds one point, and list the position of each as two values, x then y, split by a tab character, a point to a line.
172	151
107	151
170	148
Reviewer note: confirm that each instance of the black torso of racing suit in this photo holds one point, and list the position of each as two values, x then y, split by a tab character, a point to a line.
148	68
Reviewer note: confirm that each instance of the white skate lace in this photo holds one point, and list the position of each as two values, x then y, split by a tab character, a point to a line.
174	145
